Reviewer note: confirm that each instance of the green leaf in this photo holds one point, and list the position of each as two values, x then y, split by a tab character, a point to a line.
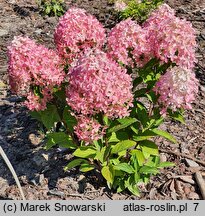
134	190
152	96
144	136
142	114
124	167
118	136
105	120
36	115
139	156
74	163
123	145
140	92
178	115
122	153
148	170
137	81
69	119
166	164
164	134
85	152
123	124
48	10
149	147
61	139
150	162
121	187
131	186
50	116
100	154
86	167
108	173
158	121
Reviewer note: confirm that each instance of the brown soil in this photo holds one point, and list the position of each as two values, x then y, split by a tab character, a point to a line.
41	172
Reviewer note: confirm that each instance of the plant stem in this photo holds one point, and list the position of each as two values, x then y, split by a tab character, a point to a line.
150	109
8	163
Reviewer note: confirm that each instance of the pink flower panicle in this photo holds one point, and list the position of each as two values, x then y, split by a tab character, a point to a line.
77	31
128	36
88	129
33	65
98	84
171	38
177	88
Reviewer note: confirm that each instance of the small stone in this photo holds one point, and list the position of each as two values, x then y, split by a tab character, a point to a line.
187	190
38	31
46	156
3	32
41	179
191	163
163	157
35	140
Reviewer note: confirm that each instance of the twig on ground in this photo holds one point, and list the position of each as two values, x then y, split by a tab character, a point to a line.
5	158
183	155
76	195
201	183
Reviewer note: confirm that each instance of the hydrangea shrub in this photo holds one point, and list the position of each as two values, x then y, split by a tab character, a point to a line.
109	93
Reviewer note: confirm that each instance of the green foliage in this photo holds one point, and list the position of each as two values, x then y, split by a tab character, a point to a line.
139	11
52	7
61	139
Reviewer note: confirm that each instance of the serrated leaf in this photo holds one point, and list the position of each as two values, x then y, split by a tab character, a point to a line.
148	170
118	136
142	114
144	136
131	186
74	163
100	154
108	173
166	164
134	190
178	116
164	134
123	124
86	167
123	145
122	153
50	116
85	152
139	156
149	147
61	139
124	167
